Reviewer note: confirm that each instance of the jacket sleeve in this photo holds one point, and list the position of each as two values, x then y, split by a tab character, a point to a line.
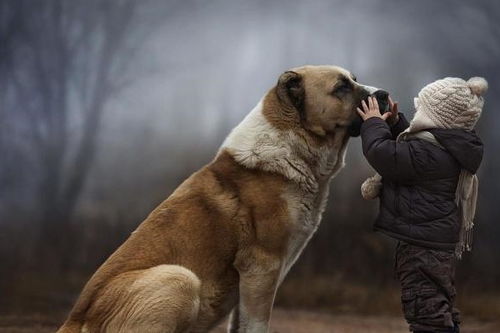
392	160
400	126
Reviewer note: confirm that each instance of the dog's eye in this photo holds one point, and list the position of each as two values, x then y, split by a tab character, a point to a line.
342	89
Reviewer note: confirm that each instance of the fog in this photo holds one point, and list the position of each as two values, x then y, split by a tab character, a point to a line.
106	106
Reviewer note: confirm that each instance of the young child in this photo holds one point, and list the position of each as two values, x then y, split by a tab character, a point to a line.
427	187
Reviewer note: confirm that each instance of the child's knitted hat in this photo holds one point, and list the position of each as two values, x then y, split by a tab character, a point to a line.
451	102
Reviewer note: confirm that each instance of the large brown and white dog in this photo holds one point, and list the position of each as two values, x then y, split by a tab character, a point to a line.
226	238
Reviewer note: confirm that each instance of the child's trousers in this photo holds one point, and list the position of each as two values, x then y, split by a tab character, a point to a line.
427	278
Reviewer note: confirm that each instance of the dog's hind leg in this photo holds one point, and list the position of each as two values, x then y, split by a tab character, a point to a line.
161	299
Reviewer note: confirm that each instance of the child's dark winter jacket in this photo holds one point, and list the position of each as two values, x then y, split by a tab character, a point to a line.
417	202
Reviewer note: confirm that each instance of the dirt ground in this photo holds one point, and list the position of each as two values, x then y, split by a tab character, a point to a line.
284	321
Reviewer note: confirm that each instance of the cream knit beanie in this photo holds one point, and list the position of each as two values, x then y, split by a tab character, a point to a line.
450	103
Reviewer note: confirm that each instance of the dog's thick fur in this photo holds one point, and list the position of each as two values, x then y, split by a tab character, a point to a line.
226	238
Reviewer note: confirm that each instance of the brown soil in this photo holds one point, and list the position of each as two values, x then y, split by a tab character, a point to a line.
284	321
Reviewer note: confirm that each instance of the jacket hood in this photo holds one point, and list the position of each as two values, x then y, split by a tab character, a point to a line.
465	146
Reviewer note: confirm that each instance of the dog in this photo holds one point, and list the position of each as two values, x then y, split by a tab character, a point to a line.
227	236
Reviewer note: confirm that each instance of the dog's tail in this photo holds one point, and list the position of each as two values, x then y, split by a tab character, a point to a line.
75	323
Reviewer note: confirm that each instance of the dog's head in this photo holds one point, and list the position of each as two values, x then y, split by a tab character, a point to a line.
326	98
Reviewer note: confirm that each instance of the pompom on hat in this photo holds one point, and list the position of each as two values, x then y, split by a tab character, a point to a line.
450	103
478	85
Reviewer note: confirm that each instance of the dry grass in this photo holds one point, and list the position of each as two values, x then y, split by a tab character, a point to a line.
346	297
329	305
338	296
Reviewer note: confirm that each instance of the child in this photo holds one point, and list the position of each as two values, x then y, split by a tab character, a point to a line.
428	189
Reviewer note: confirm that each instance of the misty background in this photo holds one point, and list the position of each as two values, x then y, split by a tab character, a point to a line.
106	106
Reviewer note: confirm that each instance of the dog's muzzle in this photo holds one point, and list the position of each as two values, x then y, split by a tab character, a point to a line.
382	97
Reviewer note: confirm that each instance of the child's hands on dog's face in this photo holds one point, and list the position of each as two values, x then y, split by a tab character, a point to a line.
371	110
393	111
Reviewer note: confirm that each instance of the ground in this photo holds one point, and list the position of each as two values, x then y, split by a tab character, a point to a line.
284	320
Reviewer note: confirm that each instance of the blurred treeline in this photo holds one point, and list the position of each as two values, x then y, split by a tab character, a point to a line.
107	105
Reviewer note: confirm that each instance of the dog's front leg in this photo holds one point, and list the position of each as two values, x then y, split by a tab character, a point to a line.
234	320
259	274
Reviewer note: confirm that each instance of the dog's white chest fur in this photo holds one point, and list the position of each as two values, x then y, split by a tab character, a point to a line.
256	142
306	210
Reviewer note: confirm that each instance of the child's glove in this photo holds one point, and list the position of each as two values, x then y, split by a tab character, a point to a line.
370	189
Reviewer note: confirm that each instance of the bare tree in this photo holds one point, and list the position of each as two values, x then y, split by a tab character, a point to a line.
63	60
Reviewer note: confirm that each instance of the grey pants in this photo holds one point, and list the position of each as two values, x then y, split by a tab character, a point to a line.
427	278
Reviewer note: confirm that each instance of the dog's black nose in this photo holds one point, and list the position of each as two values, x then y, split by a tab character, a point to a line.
382	97
381	94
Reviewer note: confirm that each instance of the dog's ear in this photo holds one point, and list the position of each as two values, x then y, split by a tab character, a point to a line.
290	90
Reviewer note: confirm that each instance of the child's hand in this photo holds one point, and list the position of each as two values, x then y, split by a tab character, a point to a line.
393	112
371	110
